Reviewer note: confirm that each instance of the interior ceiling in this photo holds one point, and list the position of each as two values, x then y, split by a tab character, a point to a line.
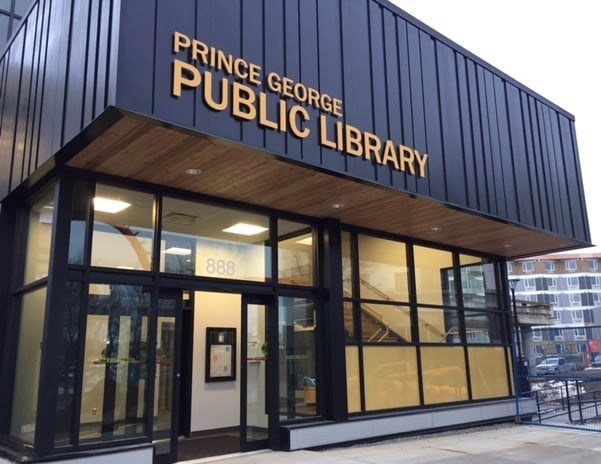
146	151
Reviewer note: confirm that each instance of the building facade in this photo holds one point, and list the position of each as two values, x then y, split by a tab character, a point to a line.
571	284
284	224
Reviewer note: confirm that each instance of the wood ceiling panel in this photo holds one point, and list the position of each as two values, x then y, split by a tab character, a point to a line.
142	150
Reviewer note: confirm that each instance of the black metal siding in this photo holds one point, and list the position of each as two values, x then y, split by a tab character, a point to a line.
495	147
54	80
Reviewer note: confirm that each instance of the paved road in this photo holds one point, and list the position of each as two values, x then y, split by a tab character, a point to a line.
501	444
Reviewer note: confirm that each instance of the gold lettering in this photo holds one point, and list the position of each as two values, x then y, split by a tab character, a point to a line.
313	98
294	128
241	68
283	115
421	161
184	75
243	102
372	144
406	156
200	49
337	107
254	74
287	87
353	141
222	61
263	113
300	92
390	154
180	42
323	126
208	92
273	82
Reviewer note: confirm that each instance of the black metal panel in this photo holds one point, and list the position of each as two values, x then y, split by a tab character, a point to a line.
494	146
54	82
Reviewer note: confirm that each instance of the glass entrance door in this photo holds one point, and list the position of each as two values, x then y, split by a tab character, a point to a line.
167	328
256	417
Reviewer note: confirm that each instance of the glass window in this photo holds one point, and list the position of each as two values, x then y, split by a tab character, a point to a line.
123	228
595	282
434	276
575	299
571	265
347	269
27	371
509	266
5	4
593	264
3	30
115	363
528	266
39	236
385	323
295	253
21	6
552	282
484	327
297	358
383	271
553	299
79	217
573	282
212	241
391	379
68	364
549	266
353	386
478	282
443	374
438	325
488	372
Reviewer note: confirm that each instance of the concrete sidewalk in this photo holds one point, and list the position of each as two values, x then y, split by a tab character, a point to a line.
501	444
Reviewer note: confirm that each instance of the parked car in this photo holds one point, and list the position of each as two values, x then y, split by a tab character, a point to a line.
554	365
596	361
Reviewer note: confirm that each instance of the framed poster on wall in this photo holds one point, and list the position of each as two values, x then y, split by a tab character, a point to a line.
220	363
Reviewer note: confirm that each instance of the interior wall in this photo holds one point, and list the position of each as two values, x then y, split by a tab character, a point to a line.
214	404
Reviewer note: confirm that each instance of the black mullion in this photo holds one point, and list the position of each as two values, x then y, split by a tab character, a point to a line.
415	318
54	315
83	327
462	326
356	299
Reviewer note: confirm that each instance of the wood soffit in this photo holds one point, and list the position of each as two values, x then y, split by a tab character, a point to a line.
143	150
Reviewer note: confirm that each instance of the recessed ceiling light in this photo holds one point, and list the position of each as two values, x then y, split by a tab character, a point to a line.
107	205
193	171
436	229
305	241
243	228
507	245
178	251
337	205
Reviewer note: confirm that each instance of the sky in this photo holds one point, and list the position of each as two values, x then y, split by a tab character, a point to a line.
550	46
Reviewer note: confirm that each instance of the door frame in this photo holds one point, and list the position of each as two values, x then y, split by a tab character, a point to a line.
271	374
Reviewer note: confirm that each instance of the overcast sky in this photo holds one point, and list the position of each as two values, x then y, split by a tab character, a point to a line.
551	46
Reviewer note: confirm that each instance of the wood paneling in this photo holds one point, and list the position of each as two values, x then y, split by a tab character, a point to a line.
138	149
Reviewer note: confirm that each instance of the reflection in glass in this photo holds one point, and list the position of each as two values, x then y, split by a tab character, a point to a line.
347	269
163	382
68	364
349	321
115	362
353	379
256	409
383	269
484	327
27	370
443	374
212	241
488	372
123	228
478	283
385	323
295	253
298	381
434	276
39	236
439	325
391	379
